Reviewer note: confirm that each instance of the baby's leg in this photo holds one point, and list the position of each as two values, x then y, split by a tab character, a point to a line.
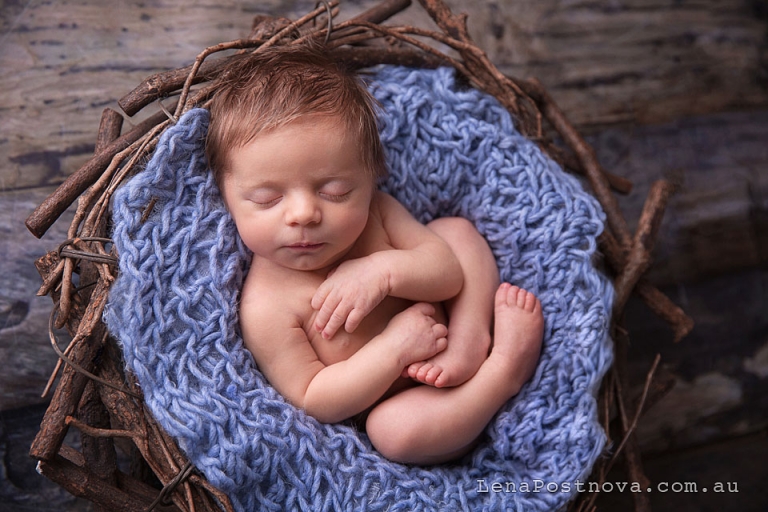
427	425
469	313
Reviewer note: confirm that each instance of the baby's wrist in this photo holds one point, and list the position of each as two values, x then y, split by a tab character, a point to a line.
383	267
392	355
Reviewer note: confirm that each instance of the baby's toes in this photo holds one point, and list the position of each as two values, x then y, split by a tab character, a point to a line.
503	296
414	368
521	298
432	375
437	377
428	373
530	301
421	375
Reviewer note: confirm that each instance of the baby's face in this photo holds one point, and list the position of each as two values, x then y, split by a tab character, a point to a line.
299	195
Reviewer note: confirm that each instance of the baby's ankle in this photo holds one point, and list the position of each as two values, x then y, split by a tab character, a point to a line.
470	335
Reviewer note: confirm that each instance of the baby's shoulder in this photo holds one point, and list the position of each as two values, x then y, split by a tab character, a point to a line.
388	219
383	217
386	203
383	203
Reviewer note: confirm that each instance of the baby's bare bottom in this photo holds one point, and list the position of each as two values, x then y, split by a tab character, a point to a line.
469	314
429	425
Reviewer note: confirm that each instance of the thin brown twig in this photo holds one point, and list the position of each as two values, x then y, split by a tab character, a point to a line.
81	336
99	432
405	37
638	412
628	431
55	204
638	258
238	44
51	280
59	362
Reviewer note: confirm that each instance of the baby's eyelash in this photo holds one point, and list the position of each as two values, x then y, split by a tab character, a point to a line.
266	204
335	197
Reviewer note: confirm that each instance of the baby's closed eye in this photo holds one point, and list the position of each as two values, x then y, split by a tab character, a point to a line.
265	197
336	190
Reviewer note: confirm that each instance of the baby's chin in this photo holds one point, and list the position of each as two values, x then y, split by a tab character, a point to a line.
317	260
313	264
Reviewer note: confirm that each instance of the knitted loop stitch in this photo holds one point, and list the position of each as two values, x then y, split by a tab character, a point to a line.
451	152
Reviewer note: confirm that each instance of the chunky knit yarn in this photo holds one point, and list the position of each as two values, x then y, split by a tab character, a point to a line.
451	151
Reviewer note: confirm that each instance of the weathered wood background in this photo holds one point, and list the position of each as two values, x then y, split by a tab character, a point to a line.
661	87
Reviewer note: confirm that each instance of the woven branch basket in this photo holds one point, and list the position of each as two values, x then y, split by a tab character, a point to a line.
96	396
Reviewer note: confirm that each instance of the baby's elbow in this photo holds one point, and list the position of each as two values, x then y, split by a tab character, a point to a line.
451	275
323	414
457	276
321	408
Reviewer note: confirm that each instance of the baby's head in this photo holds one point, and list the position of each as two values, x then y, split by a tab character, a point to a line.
281	84
294	147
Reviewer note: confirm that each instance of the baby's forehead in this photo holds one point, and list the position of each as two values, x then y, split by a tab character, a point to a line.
308	142
333	127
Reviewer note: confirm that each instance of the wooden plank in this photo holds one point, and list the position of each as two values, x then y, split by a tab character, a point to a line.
720	369
631	61
718	220
25	350
64	62
637	61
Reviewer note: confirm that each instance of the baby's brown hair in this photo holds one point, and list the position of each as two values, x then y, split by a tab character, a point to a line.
271	88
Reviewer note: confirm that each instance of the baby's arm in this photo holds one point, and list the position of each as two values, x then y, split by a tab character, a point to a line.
421	267
332	393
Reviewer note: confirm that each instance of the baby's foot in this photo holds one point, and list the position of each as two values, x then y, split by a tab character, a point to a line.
518	332
466	351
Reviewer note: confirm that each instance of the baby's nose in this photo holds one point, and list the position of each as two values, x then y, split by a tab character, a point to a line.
303	210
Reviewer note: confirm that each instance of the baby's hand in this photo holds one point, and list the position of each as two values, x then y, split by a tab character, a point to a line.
416	334
347	295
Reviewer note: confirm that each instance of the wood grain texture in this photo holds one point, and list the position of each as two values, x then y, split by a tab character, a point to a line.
718	220
633	61
25	350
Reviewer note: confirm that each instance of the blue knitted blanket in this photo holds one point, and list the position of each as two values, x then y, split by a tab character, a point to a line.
451	152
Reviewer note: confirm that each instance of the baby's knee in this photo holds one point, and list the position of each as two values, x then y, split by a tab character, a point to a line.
454	226
392	440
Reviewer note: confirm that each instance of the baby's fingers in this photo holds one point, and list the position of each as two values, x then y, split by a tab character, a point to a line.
354	319
318	299
331	309
326	309
335	320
